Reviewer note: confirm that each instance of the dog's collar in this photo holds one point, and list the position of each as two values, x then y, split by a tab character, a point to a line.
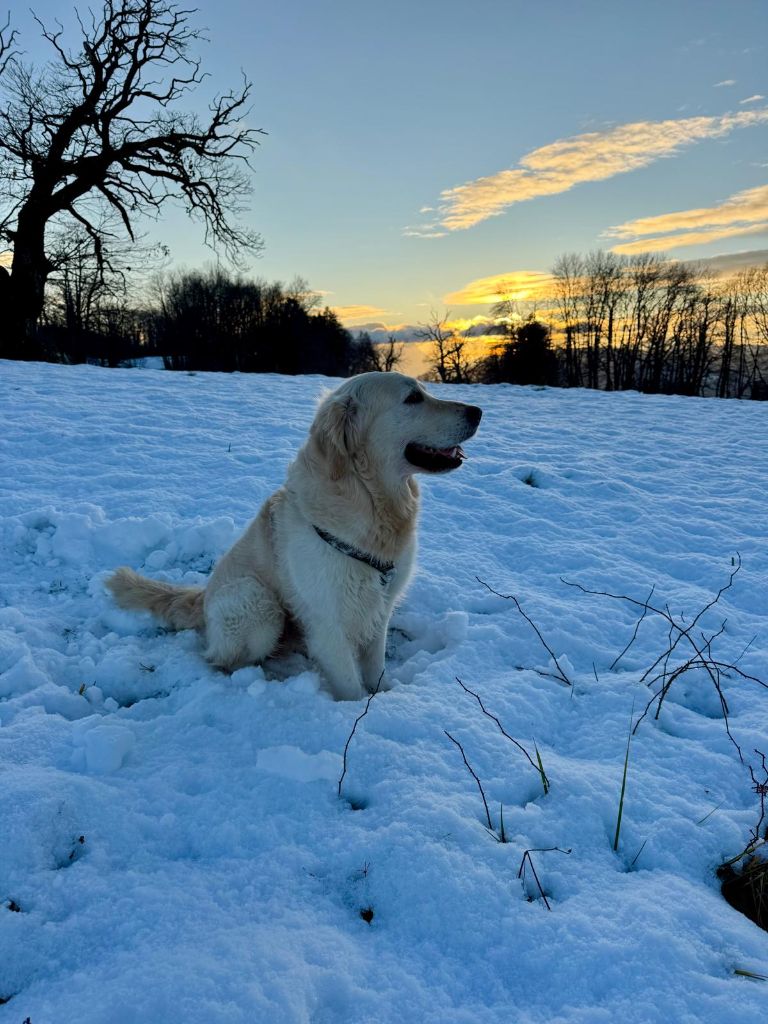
386	570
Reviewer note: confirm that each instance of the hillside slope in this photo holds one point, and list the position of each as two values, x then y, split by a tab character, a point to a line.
173	848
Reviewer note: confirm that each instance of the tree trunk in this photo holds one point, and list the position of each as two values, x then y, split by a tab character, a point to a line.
609	352
29	271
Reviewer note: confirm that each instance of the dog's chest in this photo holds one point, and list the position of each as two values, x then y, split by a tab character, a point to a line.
332	590
359	595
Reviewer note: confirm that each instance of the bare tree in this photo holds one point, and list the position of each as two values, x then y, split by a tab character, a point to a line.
568	272
644	274
755	287
603	288
730	312
299	290
98	127
368	356
391	356
673	290
449	361
84	289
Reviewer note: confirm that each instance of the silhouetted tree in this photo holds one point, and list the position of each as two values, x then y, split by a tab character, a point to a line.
368	356
98	127
526	358
215	320
449	361
568	273
88	314
754	283
390	355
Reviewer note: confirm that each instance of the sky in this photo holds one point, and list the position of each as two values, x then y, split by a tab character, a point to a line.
418	157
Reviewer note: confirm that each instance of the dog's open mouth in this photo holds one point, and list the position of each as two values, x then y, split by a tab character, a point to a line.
434	460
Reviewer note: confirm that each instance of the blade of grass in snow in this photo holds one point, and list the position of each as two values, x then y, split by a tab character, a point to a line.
743	973
637	855
623	783
716	808
542	773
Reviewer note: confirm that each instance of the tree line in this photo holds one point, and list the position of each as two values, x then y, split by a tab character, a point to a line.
644	323
211	319
611	322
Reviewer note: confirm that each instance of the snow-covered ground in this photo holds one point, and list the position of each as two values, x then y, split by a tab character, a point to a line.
172	846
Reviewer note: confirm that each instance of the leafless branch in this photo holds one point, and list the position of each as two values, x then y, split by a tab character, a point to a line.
472	772
561	676
359	718
7	39
678	632
493	718
632	639
760	786
527	858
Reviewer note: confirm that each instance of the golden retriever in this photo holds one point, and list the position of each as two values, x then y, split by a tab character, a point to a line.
331	551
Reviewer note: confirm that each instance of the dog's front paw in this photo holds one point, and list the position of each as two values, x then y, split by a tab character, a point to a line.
379	684
346	689
348	694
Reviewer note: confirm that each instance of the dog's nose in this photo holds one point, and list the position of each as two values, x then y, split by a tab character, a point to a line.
474	414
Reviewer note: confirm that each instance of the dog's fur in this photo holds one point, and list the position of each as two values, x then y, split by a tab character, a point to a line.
353	480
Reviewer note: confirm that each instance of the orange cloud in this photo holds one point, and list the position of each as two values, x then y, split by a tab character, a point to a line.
666	242
747	206
517	285
561	165
745	213
349	313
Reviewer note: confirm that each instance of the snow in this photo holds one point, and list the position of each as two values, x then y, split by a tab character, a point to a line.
173	838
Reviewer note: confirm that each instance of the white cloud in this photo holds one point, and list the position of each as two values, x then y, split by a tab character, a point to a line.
753	99
426	232
725	81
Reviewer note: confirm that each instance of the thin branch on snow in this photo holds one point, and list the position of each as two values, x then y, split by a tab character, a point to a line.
632	639
472	772
539	768
359	718
560	676
527	857
659	673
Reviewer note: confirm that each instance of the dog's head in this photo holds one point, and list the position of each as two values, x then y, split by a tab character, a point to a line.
389	425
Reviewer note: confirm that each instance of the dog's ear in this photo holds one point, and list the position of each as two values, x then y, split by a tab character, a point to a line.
335	430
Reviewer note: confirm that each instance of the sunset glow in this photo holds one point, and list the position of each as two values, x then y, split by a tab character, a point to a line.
515	286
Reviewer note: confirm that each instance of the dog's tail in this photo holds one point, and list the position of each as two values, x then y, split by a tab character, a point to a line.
178	607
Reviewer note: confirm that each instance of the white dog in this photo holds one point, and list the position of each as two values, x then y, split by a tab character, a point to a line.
332	550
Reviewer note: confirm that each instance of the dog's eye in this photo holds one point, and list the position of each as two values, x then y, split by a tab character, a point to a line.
413	397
